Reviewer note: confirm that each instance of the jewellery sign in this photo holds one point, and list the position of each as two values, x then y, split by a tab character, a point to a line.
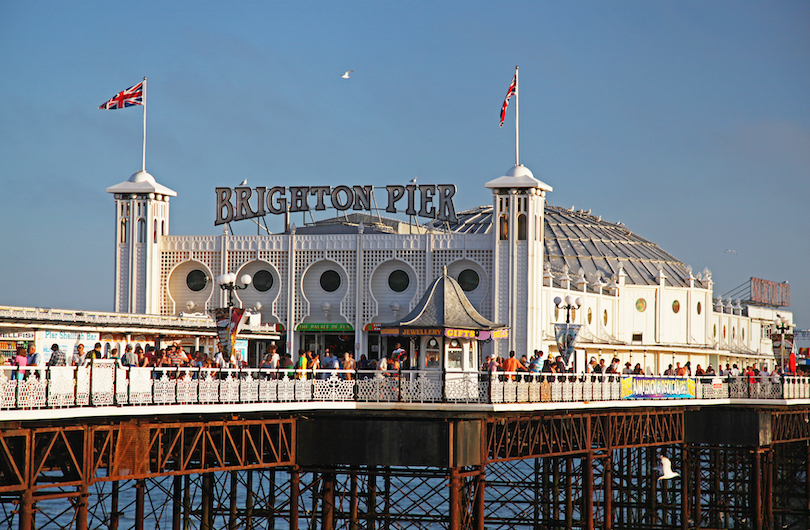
434	201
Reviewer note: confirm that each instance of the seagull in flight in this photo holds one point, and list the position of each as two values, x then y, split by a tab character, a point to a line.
346	75
731	251
244	183
665	468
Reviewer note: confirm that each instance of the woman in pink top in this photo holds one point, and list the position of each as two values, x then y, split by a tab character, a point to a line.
21	360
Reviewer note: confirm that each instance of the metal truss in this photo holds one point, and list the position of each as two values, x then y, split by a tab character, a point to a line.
557	434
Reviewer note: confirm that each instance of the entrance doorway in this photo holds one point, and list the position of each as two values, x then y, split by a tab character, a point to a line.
337	343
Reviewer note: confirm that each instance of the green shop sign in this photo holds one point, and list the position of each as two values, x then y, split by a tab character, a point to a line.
325	327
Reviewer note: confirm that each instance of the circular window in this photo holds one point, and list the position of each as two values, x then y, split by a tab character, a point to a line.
641	305
590	315
196	280
263	281
433	344
676	306
398	281
330	281
604	317
469	280
699	308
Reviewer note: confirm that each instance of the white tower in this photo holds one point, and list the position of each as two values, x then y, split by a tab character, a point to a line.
141	219
517	221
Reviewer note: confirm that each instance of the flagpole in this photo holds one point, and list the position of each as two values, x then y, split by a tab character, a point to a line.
517	115
143	167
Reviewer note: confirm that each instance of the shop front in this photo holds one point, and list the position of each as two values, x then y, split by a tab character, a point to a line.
317	337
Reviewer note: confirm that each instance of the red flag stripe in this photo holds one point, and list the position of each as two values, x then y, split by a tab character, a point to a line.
512	90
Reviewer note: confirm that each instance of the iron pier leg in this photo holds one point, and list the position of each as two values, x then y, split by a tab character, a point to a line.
607	486
756	492
480	502
569	492
206	498
696	498
769	488
387	499
114	506
372	499
684	487
27	510
295	484
353	501
177	502
587	488
139	504
233	509
186	502
455	499
81	507
249	501
328	519
539	486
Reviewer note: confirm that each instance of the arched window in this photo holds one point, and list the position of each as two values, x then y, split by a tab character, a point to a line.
154	232
141	230
522	228
163	228
504	228
124	230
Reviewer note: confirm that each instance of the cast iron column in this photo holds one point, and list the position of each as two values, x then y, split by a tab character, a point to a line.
455	499
139	504
295	479
328	481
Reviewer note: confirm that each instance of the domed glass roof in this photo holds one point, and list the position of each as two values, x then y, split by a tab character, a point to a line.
576	243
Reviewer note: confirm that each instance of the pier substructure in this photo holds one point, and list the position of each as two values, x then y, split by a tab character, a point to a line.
740	468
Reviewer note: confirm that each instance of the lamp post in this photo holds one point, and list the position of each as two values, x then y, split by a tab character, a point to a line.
570	303
782	325
227	282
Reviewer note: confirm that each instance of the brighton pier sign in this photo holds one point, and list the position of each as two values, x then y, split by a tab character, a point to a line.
434	201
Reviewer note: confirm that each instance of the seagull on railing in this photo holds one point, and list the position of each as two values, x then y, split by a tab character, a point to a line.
665	468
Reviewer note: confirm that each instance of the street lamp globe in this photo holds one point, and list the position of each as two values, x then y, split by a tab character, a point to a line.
246	279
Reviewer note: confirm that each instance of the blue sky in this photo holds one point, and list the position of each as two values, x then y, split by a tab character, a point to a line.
687	121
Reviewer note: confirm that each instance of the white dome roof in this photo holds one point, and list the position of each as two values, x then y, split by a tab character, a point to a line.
141	182
518	177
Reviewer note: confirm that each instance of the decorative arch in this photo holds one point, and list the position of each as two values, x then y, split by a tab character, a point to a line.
324	304
184	297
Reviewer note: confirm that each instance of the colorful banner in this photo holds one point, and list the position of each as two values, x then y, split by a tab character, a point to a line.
645	387
229	320
566	336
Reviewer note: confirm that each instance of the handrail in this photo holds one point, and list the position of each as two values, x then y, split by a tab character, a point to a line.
107	383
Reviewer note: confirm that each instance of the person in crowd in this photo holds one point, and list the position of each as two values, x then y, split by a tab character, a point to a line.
285	363
363	363
382	364
301	365
627	370
492	365
680	371
614	366
591	366
57	356
669	371
638	370
129	358
348	364
710	370
113	355
735	371
511	364
328	364
314	362
79	357
398	353
34	358
95	353
275	360
764	375
699	371
21	361
267	365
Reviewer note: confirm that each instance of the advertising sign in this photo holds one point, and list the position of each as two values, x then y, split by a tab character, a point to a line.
566	336
770	293
645	387
229	320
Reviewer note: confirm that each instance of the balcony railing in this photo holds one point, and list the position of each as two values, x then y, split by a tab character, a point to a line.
108	384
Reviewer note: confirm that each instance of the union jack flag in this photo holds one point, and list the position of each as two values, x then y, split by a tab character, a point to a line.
128	98
512	90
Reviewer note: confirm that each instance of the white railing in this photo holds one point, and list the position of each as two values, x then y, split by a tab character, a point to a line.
106	383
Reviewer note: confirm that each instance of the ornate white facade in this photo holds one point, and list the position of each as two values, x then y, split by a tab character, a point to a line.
638	303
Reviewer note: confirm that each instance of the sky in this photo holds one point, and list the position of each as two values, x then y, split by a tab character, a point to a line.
689	122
